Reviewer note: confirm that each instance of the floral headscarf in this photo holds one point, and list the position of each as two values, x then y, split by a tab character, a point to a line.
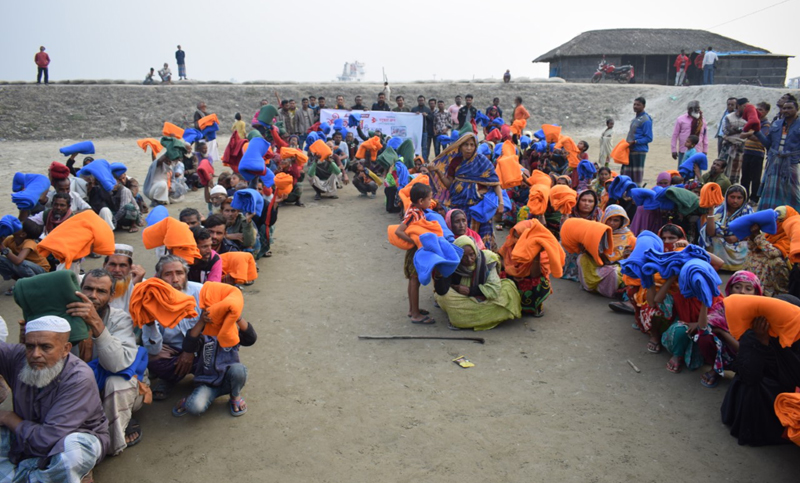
616	210
744	276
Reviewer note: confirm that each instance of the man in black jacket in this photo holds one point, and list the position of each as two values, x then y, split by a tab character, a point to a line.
427	118
467	113
381	105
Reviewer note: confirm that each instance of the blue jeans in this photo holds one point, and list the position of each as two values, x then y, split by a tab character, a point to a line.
708	74
81	452
25	269
232	383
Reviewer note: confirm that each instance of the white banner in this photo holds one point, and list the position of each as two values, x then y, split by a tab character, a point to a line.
405	125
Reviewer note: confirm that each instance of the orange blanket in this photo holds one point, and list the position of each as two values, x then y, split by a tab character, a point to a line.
792	228
563	198
321	149
155	299
300	157
780	239
405	193
224	304
539	177
787	408
75	238
152	143
172	130
174	235
783	317
413	231
284	184
674	173
567	144
373	145
518	126
531	243
508	149
711	195
241	266
509	171
515	269
206	121
577	233
538	199
621	152
551	133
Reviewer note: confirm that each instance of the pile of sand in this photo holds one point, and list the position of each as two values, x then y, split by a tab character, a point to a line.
36	112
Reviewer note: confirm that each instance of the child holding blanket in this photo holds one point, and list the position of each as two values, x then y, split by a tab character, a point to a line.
421	196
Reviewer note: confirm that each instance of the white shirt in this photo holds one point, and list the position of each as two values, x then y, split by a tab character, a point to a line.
709	58
76	202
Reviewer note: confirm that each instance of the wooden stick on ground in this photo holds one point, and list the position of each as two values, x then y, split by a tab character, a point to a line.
634	366
479	340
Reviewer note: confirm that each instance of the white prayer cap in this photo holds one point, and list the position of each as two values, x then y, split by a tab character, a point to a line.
218	190
124	250
47	323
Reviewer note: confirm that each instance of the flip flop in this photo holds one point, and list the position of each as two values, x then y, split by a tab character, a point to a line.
653	347
427	320
673	369
241	405
180	408
133	427
621	308
421	311
714	384
161	391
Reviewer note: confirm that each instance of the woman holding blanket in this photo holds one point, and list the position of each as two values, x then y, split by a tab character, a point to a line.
475	297
767	254
460	176
607	279
587	208
715	236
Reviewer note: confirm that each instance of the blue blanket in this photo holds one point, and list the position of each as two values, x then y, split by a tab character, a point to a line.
481	119
395	142
27	189
699	279
644	198
192	135
438	254
311	139
633	265
664	202
539	135
620	186
487	207
9	225
210	132
118	169
669	264
248	201
252	163
268	179
540	146
687	166
767	221
402	175
353	121
157	214
524	141
431	215
586	169
136	369
101	170
83	147
485	150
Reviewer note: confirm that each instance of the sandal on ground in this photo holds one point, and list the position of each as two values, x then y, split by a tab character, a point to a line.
180	408
238	408
422	311
537	313
133	428
133	229
268	254
673	368
317	197
453	327
427	320
161	390
9	292
300	204
653	347
621	308
710	379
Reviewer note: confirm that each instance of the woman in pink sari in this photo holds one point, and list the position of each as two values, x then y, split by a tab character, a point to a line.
457	222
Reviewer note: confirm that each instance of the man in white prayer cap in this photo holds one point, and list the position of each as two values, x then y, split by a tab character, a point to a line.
126	274
57	431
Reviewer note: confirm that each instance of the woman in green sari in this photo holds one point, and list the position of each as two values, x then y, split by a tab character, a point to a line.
475	297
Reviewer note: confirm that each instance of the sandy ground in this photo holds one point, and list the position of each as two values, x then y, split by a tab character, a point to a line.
550	399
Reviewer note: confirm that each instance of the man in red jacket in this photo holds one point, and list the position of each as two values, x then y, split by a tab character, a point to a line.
681	66
42	61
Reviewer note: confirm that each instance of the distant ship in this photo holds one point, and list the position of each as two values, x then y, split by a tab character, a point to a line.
352	72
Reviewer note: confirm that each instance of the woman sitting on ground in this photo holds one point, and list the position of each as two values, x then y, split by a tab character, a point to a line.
767	254
586	208
532	277
764	369
475	297
457	222
716	238
607	279
651	220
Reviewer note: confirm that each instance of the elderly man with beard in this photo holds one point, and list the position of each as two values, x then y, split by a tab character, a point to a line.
57	430
113	346
120	265
168	359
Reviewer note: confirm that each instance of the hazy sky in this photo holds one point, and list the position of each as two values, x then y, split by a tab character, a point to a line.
310	40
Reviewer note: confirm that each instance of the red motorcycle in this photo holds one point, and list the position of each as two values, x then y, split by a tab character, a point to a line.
622	74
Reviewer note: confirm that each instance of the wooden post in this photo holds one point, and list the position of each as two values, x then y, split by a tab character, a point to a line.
644	70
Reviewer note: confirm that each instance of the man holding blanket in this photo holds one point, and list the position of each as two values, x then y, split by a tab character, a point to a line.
113	349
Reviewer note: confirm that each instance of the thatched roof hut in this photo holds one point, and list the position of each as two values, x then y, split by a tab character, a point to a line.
653	51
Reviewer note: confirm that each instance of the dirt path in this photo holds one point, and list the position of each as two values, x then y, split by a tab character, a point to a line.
550	399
